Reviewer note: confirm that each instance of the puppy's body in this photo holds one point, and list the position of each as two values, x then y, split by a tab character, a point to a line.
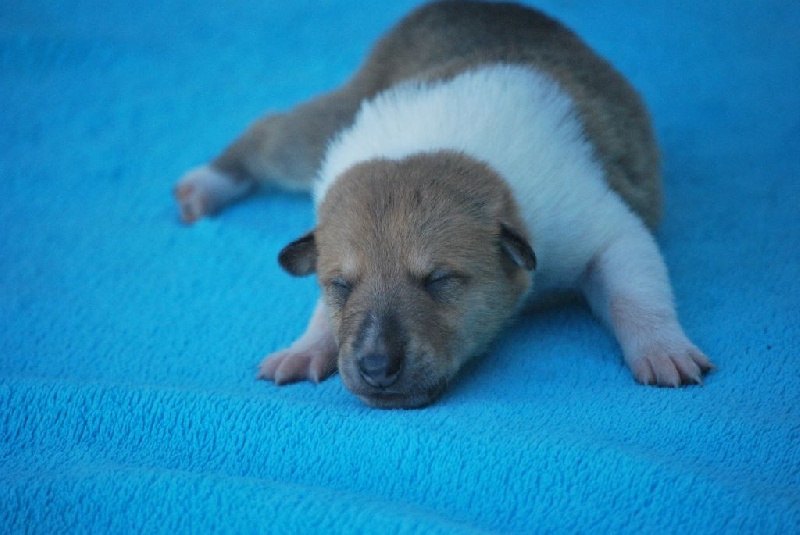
526	129
478	142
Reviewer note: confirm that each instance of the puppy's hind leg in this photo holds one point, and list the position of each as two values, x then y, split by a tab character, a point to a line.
311	357
281	149
627	286
256	157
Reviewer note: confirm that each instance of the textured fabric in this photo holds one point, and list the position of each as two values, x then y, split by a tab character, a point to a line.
129	343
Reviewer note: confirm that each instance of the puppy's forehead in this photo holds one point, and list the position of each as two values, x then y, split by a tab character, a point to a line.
422	211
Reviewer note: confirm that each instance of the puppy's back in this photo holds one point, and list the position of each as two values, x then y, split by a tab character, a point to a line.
442	39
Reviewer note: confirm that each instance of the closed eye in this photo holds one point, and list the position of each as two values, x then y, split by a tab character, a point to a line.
442	285
339	290
341	284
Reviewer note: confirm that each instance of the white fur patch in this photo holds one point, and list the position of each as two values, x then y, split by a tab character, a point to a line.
519	122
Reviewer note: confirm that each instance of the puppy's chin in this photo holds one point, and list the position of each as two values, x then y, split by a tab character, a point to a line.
408	400
404	395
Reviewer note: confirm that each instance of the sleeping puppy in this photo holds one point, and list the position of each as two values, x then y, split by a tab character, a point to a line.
480	160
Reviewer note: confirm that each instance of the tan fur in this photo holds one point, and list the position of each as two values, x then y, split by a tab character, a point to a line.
384	228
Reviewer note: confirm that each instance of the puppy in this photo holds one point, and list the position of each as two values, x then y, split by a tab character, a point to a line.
481	159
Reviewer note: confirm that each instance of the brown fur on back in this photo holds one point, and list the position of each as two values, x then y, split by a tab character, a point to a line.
442	39
436	42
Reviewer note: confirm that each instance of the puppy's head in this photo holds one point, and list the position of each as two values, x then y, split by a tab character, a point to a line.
421	262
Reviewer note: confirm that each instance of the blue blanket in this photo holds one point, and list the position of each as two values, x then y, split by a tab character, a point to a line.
129	343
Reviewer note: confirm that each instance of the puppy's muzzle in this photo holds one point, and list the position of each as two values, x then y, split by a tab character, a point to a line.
379	367
379	351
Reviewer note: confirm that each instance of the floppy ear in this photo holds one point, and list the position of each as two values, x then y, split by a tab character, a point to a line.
517	248
299	258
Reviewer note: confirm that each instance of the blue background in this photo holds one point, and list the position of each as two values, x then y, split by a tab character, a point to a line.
129	343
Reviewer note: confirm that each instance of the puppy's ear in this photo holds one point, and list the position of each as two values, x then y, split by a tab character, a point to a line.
517	247
299	258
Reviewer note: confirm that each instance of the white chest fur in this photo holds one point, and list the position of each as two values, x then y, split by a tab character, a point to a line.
523	125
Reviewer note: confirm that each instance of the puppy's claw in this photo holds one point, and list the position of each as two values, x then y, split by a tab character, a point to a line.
671	368
266	370
293	368
642	372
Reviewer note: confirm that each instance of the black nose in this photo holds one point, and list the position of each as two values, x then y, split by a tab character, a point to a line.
378	370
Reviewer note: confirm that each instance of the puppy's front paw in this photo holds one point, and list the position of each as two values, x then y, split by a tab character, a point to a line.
204	190
670	364
311	357
292	365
